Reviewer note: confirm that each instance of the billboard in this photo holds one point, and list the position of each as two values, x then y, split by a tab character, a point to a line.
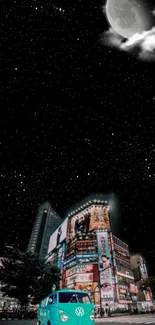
61	255
104	260
87	258
79	278
103	250
89	287
82	258
58	236
94	217
106	282
69	260
143	269
87	268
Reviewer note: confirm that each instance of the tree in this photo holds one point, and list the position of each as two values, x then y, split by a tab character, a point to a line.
50	276
25	276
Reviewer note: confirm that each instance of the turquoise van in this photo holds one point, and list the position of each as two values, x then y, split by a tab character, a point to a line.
73	307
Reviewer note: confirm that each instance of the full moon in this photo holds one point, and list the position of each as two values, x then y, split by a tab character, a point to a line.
127	17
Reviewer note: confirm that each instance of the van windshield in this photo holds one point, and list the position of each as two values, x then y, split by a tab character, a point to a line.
74	297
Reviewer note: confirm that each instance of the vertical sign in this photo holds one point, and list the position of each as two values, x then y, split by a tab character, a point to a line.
103	250
106	278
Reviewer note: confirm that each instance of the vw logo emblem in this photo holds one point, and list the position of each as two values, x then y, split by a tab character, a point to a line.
79	311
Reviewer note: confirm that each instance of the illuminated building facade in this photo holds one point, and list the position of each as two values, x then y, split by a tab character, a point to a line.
126	290
47	220
139	269
91	257
138	265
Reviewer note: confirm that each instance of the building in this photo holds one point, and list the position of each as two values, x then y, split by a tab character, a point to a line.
139	269
113	205
47	220
126	290
91	257
138	265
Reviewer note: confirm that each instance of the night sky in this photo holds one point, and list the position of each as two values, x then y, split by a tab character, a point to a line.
76	117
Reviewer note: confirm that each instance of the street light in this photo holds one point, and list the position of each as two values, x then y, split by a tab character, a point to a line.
98	286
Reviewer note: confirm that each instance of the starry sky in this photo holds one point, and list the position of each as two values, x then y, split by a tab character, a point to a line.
76	117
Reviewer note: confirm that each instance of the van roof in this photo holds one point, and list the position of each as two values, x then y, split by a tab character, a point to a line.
69	290
65	290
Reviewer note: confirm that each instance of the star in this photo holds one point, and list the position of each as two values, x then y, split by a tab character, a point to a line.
77	118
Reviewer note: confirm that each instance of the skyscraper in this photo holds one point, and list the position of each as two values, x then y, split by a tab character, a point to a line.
47	220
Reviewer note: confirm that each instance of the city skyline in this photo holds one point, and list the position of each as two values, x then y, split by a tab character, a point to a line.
111	197
77	117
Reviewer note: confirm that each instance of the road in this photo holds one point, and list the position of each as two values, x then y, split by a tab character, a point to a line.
122	320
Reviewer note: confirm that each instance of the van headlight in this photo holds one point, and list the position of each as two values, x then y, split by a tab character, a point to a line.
91	317
64	318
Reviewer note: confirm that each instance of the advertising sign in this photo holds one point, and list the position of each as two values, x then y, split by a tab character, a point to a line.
87	258
58	236
123	291
89	287
86	243
143	269
94	217
85	277
85	246
133	288
103	250
69	265
60	258
86	255
106	278
106	281
69	260
84	268
63	251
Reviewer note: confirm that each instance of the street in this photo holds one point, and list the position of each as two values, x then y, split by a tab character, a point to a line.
138	319
123	320
18	322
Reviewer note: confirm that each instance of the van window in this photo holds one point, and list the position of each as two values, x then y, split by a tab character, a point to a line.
53	299
70	297
44	302
84	298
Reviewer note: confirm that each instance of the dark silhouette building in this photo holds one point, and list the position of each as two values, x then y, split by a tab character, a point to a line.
47	220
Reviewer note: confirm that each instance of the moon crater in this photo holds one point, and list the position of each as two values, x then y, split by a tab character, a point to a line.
127	17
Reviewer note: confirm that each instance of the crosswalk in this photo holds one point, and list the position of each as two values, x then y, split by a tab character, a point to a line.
140	319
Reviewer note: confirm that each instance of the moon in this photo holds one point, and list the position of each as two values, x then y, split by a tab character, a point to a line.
127	17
